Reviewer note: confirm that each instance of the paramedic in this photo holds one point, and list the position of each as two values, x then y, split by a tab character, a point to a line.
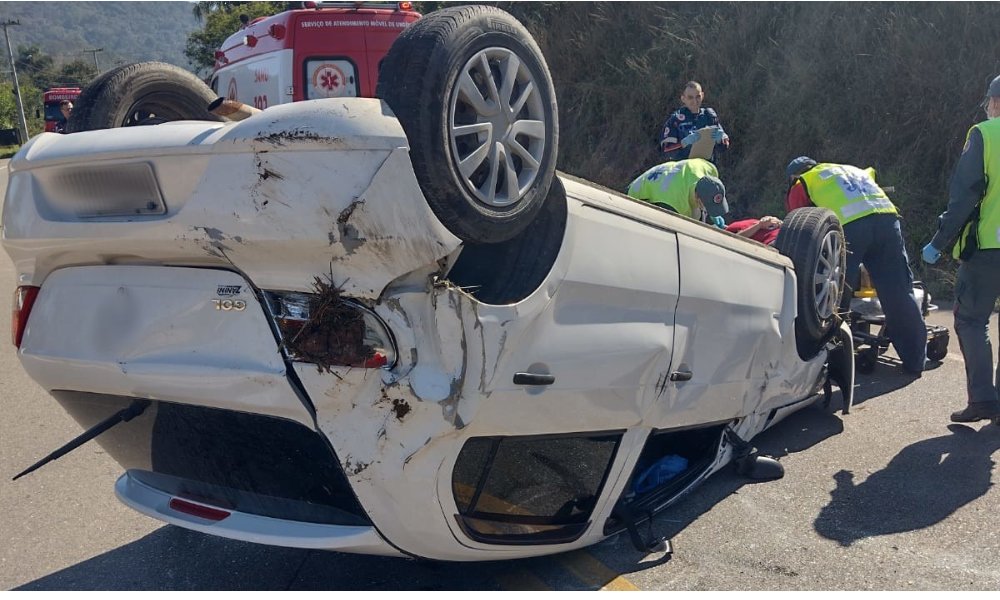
688	187
973	216
681	129
874	237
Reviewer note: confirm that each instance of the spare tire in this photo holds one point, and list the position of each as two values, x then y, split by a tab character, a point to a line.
475	98
141	94
814	240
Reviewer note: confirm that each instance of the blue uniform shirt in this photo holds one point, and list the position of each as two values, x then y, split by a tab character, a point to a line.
679	125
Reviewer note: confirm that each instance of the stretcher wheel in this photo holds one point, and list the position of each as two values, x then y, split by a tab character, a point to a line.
866	359
937	345
937	348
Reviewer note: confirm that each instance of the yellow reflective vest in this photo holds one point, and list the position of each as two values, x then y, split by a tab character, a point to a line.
848	191
988	223
672	184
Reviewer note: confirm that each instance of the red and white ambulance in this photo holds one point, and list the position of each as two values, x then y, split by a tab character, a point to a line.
325	50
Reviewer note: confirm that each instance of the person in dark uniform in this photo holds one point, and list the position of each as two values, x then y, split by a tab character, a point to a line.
681	129
973	216
66	108
874	237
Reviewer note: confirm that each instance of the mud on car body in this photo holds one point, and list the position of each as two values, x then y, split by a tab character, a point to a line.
387	326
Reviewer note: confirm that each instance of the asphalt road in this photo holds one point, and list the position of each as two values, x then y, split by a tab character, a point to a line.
889	497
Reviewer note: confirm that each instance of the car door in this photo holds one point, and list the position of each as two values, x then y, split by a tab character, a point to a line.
727	333
604	339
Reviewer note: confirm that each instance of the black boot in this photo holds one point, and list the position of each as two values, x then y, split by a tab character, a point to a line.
977	411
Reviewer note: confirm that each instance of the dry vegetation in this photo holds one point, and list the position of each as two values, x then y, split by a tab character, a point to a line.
890	85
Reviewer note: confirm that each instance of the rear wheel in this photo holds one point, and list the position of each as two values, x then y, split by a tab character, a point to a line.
145	93
475	98
814	240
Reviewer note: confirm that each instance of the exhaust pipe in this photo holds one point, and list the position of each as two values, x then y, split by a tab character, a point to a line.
232	110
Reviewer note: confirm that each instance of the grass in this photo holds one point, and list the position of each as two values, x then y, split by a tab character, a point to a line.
8	151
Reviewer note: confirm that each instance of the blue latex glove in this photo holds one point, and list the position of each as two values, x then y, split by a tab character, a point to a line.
691	138
719	222
718	135
931	254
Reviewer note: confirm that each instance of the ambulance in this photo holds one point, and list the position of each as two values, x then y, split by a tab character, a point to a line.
324	50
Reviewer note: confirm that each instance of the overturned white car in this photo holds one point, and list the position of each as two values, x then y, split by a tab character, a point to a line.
387	327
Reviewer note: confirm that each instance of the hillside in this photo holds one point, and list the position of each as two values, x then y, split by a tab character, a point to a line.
127	31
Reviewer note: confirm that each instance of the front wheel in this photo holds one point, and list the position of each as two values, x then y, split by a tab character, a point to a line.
814	240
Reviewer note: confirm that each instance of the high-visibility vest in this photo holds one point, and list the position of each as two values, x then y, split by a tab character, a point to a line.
848	191
672	184
988	229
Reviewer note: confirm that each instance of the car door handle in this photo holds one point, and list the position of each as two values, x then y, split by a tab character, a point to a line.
533	379
681	376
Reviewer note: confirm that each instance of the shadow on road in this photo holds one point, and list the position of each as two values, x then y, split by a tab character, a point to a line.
172	558
924	484
888	377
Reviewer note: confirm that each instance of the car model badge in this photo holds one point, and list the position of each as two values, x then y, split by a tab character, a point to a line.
228	290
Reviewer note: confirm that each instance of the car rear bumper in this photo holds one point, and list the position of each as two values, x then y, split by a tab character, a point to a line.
253	528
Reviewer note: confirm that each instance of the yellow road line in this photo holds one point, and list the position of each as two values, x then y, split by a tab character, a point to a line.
593	572
521	580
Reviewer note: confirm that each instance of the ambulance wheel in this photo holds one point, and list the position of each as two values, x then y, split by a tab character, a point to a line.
144	93
937	348
814	240
475	98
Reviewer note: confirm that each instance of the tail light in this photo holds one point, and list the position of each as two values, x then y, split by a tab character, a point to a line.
24	299
329	331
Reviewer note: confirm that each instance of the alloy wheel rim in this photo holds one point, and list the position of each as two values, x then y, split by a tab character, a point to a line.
497	125
828	274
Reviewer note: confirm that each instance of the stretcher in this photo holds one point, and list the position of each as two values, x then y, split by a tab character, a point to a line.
872	339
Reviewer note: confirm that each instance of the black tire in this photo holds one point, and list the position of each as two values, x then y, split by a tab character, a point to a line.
937	349
145	93
814	240
451	129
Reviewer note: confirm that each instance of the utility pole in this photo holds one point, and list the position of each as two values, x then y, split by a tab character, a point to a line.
17	89
95	51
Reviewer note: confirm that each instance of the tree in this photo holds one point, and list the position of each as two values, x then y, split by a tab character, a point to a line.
8	106
35	67
32	107
76	74
222	19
